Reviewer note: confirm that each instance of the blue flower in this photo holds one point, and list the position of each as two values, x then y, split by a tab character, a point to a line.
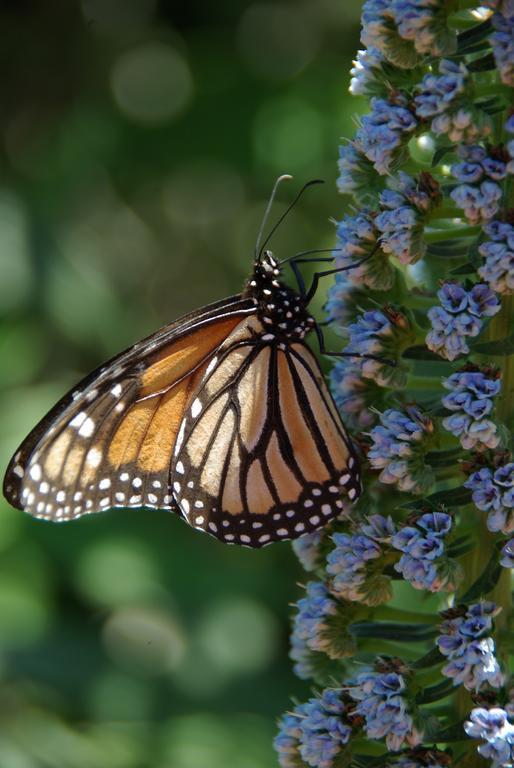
381	701
480	203
424	22
507	554
398	447
358	247
385	132
379	31
357	176
349	563
502	41
479	194
423	758
444	98
314	733
353	394
384	334
307	550
310	622
287	741
471	400
478	163
493	492
368	76
404	215
498	253
492	725
463	641
423	563
460	315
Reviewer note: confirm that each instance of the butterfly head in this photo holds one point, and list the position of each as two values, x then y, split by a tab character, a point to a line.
281	309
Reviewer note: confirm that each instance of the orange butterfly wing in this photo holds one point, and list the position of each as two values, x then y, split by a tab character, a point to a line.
109	442
262	454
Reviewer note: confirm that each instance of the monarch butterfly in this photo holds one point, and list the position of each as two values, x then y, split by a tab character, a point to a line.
222	416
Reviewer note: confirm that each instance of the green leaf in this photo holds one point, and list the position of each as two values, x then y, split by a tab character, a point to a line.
454	732
430	659
471	37
484	64
440	153
442	458
435	692
465	269
493	106
421	352
500	347
454	497
486	582
409	633
449	249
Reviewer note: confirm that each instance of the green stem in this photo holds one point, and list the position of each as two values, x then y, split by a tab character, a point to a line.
450	234
390	613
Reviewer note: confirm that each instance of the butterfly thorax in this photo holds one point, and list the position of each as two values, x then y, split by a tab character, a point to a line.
280	308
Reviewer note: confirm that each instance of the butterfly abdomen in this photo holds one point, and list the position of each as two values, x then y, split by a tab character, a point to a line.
281	309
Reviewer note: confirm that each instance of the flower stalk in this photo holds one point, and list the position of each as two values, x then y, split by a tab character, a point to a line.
405	629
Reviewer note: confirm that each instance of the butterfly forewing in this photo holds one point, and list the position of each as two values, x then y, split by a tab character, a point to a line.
262	454
110	441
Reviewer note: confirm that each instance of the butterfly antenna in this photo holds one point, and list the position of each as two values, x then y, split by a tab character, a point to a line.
286	212
284	177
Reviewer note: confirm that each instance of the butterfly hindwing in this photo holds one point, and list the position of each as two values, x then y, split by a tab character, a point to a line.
262	454
109	442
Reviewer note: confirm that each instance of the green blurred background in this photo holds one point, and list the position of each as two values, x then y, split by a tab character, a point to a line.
139	142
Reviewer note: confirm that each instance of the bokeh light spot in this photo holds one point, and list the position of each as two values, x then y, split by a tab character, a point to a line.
144	640
117	572
288	136
238	635
14	253
276	41
152	83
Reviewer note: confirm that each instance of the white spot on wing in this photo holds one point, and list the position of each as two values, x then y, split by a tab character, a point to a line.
196	408
87	428
35	472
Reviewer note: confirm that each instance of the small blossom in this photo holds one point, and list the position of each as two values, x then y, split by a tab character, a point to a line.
460	315
307	550
357	176
385	131
382	702
354	395
507	554
424	563
493	492
479	194
398	449
464	642
502	41
351	563
498	253
494	726
379	31
368	77
404	214
471	400
384	334
425	23
358	247
423	758
446	100
315	732
480	203
310	622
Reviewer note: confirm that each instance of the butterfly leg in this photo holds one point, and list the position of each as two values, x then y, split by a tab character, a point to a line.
328	353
